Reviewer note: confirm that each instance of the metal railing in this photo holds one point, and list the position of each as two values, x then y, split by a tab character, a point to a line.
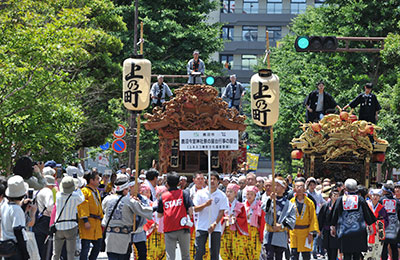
252	38
174	80
262	11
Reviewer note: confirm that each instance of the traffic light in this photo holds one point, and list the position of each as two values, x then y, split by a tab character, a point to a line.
217	81
316	43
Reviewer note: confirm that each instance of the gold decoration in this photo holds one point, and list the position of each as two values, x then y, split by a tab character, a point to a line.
338	137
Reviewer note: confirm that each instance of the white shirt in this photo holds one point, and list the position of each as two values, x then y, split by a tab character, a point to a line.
318	199
44	198
193	191
220	202
152	189
70	210
12	216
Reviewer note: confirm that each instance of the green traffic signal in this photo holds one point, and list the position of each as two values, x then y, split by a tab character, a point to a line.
303	42
316	43
210	80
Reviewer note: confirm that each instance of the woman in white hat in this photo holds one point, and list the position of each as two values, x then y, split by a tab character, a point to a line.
67	201
13	217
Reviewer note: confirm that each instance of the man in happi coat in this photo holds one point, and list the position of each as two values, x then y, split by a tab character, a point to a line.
302	236
349	218
276	235
392	207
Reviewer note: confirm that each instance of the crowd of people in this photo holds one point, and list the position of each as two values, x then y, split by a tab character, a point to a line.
72	213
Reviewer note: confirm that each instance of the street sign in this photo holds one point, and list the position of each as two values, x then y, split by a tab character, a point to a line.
102	160
119	145
224	140
120	132
105	146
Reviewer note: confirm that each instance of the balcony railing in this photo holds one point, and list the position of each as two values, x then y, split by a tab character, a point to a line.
261	11
251	38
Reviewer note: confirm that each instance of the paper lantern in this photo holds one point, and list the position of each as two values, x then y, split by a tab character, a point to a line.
297	154
378	157
136	80
265	98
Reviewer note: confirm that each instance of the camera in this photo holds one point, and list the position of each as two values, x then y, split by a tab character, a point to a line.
75	175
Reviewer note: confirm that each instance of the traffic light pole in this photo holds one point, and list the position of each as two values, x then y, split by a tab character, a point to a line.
347	41
330	44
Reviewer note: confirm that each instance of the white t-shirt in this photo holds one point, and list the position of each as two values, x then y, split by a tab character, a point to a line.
220	202
12	216
44	198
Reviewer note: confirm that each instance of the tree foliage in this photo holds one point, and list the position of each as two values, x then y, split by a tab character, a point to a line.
47	54
344	73
172	30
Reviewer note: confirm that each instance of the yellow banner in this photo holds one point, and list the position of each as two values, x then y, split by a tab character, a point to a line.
252	161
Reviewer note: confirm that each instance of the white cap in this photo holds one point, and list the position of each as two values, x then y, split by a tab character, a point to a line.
160	76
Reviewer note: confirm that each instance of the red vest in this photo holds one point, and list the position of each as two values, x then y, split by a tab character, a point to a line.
174	210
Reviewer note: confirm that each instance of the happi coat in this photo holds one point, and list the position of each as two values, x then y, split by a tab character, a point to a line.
307	217
286	216
350	215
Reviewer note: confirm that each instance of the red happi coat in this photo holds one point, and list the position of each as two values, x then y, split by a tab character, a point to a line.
239	211
257	219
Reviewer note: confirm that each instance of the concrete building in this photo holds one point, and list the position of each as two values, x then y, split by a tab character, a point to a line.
244	30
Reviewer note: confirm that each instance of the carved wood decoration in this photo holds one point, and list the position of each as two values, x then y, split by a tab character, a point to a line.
339	147
194	107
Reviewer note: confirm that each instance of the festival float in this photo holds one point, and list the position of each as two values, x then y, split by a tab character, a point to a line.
194	107
339	147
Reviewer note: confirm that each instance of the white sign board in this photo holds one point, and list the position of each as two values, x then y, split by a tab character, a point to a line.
227	140
102	160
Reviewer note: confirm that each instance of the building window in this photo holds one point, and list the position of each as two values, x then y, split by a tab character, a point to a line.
297	6
248	61
319	3
274	6
226	60
274	34
249	33
250	6
227	33
228	6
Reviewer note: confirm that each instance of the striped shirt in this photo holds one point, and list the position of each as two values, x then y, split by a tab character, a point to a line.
70	210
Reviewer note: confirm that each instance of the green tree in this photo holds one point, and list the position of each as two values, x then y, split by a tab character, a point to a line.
172	30
344	73
47	52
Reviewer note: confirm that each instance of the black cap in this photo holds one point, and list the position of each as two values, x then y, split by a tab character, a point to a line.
368	85
320	82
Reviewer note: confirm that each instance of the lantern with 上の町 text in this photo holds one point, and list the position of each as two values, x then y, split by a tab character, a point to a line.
136	83
265	98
